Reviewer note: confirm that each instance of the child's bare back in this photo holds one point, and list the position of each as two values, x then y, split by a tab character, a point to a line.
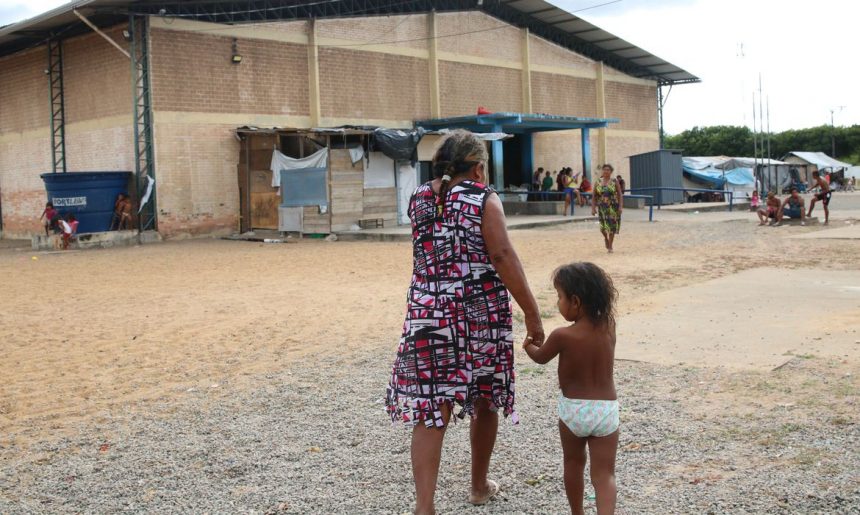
586	361
588	406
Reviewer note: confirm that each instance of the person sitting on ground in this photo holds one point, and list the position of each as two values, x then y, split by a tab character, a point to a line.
70	228
49	214
588	403
823	196
770	210
793	206
584	187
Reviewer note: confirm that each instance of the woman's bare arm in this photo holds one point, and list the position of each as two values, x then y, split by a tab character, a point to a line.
508	266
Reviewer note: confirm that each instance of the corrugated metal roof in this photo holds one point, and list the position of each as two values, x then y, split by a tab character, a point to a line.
602	45
542	18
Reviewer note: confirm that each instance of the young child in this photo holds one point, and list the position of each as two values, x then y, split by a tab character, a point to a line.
755	201
588	405
50	215
70	228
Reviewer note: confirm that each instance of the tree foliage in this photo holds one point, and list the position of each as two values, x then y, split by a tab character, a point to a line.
728	140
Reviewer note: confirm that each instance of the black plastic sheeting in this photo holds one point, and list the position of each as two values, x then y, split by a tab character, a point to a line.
397	144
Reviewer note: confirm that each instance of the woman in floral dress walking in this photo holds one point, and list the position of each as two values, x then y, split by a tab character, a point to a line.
607	202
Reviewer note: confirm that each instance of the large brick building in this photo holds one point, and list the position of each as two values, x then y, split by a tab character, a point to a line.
319	64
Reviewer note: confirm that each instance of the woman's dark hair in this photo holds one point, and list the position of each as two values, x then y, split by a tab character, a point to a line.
607	165
592	285
458	153
49	204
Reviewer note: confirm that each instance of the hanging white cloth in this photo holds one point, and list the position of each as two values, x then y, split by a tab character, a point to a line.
150	182
280	162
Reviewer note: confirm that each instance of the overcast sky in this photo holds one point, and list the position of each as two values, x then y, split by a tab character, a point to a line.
806	52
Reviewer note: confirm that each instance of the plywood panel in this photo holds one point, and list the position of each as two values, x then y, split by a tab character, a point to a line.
264	210
315	222
261	181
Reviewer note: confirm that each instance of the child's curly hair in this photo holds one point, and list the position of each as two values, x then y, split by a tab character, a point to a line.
592	285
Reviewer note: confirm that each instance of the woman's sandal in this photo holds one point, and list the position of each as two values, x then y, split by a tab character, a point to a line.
480	501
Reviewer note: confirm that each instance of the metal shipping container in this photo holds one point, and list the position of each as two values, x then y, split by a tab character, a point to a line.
658	169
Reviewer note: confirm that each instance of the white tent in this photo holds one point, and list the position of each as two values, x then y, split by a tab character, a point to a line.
821	160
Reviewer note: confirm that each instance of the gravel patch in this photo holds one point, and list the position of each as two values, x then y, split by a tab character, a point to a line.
315	439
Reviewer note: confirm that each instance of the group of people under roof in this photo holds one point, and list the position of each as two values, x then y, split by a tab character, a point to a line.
575	186
775	210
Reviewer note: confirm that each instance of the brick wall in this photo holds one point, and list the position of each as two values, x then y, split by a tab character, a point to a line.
369	85
98	109
634	104
619	149
96	77
482	36
193	72
198	191
563	95
408	31
544	53
464	87
24	91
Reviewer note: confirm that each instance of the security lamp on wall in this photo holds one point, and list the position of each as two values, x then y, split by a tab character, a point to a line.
235	57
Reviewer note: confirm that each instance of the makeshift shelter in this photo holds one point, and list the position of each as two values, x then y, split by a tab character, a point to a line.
722	173
818	161
325	180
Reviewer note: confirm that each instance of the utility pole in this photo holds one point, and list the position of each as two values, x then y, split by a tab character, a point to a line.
833	131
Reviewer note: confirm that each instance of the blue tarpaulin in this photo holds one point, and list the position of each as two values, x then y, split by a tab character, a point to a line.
718	178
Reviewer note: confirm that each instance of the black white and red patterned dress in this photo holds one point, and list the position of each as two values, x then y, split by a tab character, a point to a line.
457	343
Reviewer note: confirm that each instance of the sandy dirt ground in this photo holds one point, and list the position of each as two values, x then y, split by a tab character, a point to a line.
87	335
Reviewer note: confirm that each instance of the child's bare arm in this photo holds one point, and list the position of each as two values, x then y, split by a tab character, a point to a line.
547	351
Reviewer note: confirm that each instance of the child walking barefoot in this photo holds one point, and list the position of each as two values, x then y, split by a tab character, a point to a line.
588	406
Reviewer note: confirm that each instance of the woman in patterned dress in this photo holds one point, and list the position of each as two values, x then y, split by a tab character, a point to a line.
607	202
456	349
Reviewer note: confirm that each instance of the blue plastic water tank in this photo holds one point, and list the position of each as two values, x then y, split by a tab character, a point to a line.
89	195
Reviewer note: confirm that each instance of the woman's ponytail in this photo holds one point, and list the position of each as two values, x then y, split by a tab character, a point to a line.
457	154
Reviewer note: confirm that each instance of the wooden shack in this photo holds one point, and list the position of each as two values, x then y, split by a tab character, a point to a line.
369	191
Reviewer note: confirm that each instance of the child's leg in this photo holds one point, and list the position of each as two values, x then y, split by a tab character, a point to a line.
573	449
602	452
811	206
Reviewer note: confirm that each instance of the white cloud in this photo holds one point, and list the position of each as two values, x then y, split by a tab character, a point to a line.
13	11
803	50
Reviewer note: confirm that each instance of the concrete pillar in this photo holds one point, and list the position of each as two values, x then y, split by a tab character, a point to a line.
527	73
313	74
528	156
601	113
435	103
586	153
498	161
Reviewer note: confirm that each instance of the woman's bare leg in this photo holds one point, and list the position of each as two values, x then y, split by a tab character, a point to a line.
426	454
610	240
573	449
482	436
602	451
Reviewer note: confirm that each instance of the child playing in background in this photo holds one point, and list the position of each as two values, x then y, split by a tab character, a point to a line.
755	201
50	215
69	228
588	405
